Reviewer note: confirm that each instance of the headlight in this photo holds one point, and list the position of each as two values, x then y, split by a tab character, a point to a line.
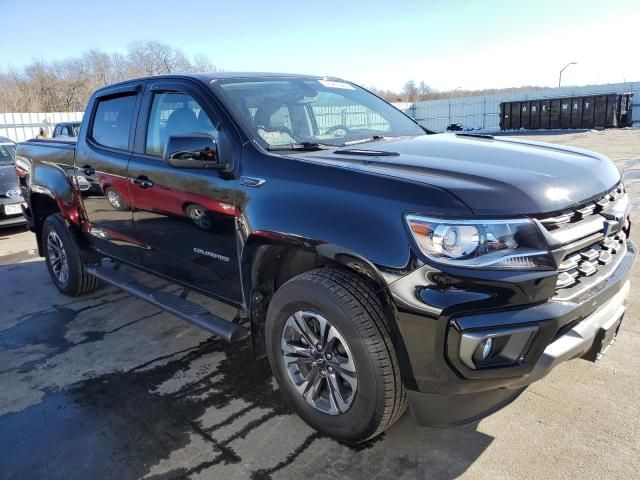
499	244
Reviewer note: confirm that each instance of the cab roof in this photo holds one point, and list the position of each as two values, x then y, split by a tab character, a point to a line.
212	76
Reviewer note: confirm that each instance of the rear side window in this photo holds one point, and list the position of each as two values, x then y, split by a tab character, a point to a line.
112	121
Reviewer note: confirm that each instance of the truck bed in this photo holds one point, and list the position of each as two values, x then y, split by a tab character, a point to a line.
56	151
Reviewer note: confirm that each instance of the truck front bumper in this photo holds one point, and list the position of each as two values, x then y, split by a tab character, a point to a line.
444	391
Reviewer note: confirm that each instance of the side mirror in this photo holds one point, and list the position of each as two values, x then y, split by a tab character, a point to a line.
192	151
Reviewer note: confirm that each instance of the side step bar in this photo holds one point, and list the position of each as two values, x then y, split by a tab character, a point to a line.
192	312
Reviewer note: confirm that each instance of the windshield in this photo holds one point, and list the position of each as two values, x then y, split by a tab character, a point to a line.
282	112
7	154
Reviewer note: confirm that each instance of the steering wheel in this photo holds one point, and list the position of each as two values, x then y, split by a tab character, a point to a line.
279	128
336	128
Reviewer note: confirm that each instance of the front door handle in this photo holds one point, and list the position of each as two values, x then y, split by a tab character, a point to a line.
142	181
88	170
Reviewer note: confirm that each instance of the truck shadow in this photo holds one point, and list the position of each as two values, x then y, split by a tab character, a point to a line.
125	396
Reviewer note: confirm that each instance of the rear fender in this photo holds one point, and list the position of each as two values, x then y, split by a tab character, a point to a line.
56	182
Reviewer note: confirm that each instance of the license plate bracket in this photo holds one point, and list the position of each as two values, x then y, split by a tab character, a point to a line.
605	337
13	209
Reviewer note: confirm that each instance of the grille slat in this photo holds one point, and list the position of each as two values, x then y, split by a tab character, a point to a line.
584	255
577	214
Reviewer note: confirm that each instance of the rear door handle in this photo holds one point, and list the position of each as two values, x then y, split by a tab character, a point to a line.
142	181
88	170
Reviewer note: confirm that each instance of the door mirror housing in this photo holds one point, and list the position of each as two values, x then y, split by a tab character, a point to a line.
192	151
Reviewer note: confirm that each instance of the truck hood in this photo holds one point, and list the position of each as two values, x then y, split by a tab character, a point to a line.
8	180
492	176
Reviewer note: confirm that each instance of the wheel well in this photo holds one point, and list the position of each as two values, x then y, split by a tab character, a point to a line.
274	265
41	207
285	263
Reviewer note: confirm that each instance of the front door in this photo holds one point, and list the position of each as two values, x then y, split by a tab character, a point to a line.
186	218
102	157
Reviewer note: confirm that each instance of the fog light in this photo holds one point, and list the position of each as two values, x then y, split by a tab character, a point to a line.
496	347
483	350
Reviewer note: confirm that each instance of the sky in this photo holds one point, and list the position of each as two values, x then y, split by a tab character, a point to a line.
451	44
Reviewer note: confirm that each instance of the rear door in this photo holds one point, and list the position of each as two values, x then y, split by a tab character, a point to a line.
185	217
102	157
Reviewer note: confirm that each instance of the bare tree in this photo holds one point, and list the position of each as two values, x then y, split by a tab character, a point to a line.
203	63
409	92
156	58
66	85
119	67
424	90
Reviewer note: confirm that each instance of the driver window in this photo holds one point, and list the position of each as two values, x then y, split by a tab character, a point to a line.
174	114
272	121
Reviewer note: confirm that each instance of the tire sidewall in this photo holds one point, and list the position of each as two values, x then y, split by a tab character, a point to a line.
363	416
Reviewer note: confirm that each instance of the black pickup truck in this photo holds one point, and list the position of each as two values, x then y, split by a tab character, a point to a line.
377	265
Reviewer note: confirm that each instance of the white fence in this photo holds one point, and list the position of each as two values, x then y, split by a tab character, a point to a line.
23	126
477	113
483	113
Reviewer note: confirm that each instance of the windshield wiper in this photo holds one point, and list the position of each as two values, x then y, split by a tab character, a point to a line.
373	138
302	146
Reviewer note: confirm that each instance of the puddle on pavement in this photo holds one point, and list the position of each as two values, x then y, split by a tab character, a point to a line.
118	426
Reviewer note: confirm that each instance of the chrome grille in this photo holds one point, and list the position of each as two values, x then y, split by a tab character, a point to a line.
590	260
584	211
585	255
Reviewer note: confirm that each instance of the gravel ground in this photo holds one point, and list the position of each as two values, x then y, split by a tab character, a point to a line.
109	387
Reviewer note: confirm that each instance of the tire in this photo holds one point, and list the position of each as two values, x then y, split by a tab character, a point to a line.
62	255
350	305
115	200
198	215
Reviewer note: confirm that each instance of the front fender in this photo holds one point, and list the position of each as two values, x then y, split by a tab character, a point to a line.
340	215
337	211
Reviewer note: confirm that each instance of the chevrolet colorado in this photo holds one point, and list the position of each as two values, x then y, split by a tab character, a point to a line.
375	264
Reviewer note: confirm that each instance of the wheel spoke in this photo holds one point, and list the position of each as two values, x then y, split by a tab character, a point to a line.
304	385
347	376
335	395
324	327
344	364
314	385
333	337
305	331
297	351
64	272
52	247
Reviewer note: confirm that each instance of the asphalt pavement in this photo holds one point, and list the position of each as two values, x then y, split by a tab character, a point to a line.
109	387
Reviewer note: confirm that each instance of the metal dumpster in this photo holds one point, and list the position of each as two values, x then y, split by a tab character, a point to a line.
612	110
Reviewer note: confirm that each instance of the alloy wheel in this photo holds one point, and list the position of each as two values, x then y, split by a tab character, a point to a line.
319	362
114	199
57	257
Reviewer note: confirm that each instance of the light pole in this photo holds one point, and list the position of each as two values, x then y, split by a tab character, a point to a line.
450	99
565	67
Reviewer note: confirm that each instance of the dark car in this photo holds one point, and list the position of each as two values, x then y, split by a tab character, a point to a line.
376	265
10	197
66	129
